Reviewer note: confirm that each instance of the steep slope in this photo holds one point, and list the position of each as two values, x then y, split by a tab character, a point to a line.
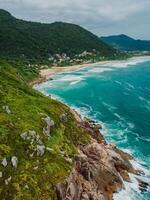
124	42
37	40
36	145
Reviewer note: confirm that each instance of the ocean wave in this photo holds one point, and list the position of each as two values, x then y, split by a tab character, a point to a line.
119	83
130	85
71	78
108	106
128	63
99	70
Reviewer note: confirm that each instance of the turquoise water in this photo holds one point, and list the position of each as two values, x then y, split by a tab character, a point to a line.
118	95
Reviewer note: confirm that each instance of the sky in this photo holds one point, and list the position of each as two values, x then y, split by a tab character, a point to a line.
102	17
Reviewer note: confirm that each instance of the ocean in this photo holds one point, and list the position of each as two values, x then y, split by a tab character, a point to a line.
117	95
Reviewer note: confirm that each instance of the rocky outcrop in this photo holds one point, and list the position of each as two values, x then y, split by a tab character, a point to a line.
63	117
99	170
49	123
14	161
7	109
143	186
4	162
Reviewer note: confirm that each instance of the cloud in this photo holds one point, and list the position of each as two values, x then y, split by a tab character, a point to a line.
89	13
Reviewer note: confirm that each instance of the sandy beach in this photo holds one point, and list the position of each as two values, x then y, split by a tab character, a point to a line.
48	73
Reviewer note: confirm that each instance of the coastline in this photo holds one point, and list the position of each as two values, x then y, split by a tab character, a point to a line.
129	174
47	74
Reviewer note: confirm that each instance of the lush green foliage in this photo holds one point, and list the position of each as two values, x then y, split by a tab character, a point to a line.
40	41
123	42
35	177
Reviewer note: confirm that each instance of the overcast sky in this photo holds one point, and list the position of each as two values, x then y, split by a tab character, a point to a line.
103	17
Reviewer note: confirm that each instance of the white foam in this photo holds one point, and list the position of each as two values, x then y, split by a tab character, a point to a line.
71	78
126	63
99	70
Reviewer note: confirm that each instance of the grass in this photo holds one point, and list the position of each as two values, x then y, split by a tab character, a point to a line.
35	177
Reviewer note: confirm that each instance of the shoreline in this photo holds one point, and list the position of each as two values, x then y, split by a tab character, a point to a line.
47	74
125	174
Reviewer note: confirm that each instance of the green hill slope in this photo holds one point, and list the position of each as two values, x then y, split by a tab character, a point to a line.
124	42
41	41
30	153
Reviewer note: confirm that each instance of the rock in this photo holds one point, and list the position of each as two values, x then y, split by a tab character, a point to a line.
4	162
8	180
63	117
32	133
14	161
40	150
97	173
124	174
49	149
24	135
49	124
35	168
26	187
7	110
143	186
1	174
69	160
59	191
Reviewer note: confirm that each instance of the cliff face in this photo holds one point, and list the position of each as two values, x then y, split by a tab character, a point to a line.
99	170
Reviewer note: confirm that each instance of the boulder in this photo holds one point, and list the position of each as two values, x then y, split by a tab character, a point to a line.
8	180
14	161
40	150
63	117
24	135
143	186
7	110
4	162
49	123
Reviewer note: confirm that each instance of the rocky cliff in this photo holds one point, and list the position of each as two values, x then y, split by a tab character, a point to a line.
99	171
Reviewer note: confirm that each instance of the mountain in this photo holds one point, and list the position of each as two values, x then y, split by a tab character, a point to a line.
19	38
124	42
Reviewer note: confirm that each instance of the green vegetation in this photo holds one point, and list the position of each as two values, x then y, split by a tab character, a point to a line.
126	43
56	43
22	110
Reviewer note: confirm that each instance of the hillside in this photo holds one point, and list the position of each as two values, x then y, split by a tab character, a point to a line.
47	152
32	137
33	40
124	42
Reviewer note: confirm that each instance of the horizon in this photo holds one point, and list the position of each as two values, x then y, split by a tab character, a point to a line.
99	17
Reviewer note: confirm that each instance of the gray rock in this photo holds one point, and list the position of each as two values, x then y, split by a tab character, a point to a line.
24	135
35	168
14	161
49	124
32	133
40	150
63	117
4	162
7	110
7	180
1	174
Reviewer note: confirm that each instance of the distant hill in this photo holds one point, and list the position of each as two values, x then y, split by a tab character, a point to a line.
39	40
124	42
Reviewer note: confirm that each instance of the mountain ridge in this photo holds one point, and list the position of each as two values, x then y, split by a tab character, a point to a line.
20	38
126	43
